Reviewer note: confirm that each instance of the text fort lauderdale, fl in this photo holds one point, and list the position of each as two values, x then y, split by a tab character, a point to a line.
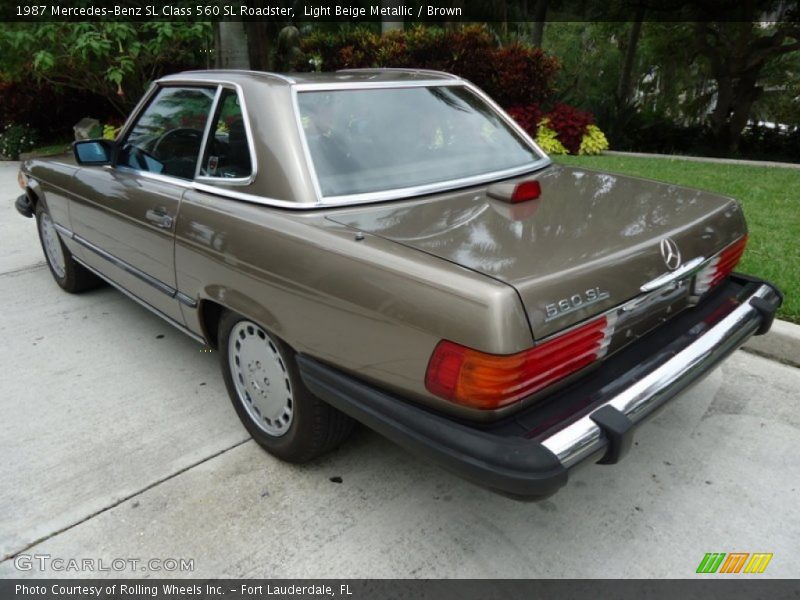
206	590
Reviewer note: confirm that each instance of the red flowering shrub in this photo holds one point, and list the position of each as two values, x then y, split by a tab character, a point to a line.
514	74
423	47
523	75
527	116
570	124
341	50
473	52
563	130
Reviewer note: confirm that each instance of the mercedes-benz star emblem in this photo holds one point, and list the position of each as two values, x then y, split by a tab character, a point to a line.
670	253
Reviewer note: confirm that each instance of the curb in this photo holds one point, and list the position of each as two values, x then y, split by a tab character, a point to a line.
782	343
708	159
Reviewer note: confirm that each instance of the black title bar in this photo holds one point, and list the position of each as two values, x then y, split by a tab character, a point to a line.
408	11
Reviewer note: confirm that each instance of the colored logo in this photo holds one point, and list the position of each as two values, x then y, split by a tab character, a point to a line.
734	562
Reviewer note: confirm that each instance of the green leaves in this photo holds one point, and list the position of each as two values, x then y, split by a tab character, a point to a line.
101	57
43	61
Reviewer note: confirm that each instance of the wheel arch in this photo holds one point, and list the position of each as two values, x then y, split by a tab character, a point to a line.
34	192
211	308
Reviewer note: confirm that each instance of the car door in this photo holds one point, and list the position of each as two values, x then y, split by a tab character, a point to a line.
124	218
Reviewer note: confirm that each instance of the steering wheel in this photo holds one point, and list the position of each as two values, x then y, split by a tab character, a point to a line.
181	134
138	158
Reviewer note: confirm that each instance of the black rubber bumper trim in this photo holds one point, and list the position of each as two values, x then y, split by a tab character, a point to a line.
766	308
767	311
618	430
24	206
516	466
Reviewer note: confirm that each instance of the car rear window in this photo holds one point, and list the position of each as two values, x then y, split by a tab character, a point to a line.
376	140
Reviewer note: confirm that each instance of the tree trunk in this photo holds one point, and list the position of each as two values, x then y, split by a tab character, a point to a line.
626	75
502	9
737	53
539	17
258	51
387	24
732	111
232	52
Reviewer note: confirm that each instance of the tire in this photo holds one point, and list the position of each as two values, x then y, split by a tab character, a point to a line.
269	396
69	275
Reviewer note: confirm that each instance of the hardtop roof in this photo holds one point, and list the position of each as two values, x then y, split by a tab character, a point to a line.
355	76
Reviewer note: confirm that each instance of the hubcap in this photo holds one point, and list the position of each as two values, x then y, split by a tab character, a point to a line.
52	245
260	378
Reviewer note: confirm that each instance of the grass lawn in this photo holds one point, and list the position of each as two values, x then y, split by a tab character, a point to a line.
771	200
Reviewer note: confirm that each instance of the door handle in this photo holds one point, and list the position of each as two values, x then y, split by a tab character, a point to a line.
159	218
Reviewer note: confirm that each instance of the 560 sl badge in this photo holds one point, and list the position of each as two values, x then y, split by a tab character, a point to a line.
575	302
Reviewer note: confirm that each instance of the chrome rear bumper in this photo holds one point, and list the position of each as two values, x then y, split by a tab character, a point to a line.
586	438
529	454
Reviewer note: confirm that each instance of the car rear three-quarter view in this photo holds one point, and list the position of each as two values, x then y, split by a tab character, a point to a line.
387	246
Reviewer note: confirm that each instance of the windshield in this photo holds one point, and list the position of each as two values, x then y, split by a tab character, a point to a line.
374	140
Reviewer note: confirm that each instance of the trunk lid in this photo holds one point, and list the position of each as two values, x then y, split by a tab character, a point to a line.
586	245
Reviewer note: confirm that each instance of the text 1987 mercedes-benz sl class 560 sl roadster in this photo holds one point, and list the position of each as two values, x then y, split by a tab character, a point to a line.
389	246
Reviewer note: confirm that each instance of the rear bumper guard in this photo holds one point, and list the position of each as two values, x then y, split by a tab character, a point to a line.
536	466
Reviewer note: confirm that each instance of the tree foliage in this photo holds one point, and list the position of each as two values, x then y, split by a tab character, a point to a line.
713	77
737	54
512	74
116	60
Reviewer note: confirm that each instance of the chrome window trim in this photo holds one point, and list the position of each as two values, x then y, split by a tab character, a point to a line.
251	147
142	106
135	298
199	82
213	185
314	86
280	76
184	183
400	193
443	74
135	113
207	131
252	198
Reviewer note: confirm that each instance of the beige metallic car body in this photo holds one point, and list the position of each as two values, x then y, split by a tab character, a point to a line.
370	284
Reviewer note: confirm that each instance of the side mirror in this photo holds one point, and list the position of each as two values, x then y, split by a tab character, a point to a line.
93	152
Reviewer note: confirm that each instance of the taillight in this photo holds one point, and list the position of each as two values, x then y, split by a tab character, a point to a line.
514	193
488	381
527	190
719	267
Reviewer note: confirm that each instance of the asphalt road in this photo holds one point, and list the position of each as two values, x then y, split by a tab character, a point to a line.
119	442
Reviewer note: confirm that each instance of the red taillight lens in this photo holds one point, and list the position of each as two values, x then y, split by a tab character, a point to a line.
488	381
719	267
527	190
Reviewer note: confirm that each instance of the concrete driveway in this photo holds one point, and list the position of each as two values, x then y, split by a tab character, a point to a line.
119	442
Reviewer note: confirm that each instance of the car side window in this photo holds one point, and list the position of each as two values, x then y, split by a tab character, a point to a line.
227	154
167	136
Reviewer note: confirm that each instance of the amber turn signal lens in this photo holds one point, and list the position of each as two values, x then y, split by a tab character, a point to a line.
489	381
